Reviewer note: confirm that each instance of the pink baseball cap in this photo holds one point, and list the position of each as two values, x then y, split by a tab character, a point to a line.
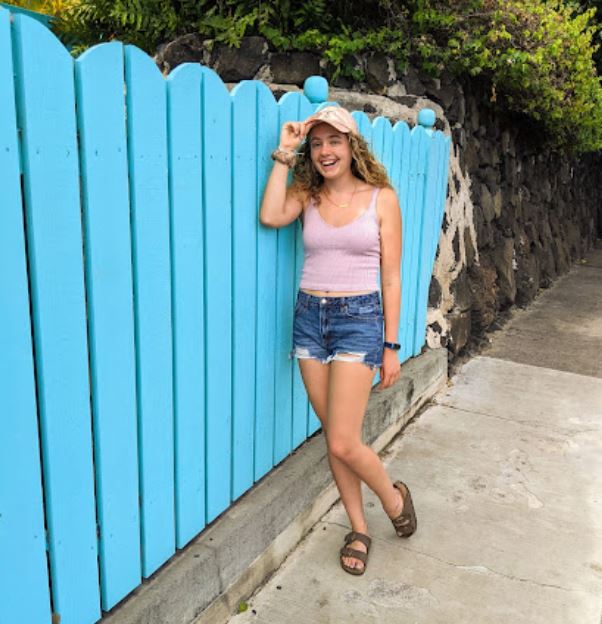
336	116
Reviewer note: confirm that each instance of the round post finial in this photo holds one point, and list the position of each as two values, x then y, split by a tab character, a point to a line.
315	89
427	118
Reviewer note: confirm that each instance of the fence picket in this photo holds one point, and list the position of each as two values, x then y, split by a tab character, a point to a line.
427	236
401	133
300	402
244	281
46	112
387	153
288	109
24	592
217	205
267	239
364	126
418	144
147	151
381	139
186	219
423	143
434	204
108	259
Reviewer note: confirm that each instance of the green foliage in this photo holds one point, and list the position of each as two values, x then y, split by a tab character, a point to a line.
538	56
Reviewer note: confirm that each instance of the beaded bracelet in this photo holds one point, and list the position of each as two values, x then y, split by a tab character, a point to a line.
286	157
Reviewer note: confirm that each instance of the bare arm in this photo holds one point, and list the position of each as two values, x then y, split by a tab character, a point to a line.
279	205
390	245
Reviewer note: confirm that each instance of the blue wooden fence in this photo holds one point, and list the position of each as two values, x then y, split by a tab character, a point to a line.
146	315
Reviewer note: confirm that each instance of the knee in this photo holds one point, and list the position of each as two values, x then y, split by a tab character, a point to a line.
345	450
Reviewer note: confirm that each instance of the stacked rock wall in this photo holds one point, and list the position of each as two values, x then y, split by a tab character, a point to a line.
516	215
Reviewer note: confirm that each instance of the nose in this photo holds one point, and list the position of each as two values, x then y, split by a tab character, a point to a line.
324	150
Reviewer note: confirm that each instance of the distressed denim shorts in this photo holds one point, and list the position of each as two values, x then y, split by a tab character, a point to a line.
349	329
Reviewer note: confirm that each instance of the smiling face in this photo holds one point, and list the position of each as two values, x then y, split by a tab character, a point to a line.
330	151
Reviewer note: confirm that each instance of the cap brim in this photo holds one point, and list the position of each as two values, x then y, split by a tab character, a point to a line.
338	126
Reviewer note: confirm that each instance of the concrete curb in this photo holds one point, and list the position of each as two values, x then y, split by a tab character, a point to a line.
204	583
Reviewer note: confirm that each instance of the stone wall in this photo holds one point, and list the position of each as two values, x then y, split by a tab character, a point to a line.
516	215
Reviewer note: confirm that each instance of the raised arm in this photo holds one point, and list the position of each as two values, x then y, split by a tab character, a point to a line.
280	206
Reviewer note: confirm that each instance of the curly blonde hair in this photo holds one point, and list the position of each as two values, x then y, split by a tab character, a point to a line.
307	182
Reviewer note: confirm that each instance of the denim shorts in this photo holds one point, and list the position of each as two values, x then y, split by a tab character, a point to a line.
348	329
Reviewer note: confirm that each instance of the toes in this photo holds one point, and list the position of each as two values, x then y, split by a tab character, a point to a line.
352	562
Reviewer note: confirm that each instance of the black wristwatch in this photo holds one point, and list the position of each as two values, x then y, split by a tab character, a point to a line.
392	345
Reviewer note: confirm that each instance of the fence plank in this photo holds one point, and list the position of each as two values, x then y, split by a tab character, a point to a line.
303	420
216	106
244	281
387	150
288	109
379	129
313	422
412	217
436	186
401	134
46	109
400	176
364	126
186	218
427	235
413	223
267	138
108	257
23	568
421	143
147	150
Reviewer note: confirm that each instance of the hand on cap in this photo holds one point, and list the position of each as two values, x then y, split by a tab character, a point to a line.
293	132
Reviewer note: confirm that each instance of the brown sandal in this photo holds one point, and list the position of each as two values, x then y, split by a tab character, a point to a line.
405	524
356	554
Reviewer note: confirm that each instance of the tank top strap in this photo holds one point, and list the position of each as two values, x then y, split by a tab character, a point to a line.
372	205
307	210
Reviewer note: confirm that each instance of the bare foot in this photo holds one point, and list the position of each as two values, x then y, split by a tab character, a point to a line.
396	511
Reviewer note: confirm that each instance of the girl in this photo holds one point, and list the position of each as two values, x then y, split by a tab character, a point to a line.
351	228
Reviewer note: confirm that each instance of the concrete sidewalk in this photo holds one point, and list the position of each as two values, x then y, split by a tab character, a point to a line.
505	468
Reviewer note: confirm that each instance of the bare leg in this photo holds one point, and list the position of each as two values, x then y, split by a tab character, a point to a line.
348	392
316	378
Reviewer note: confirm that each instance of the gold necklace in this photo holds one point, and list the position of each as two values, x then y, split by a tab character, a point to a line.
344	205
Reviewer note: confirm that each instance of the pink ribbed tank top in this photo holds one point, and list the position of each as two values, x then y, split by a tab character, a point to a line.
345	258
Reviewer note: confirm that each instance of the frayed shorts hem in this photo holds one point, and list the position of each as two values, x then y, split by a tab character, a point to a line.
303	353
